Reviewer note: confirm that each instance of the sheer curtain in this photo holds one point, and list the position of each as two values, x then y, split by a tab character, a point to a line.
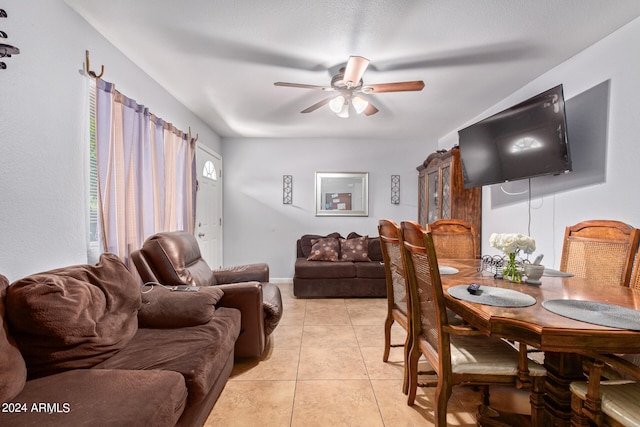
146	173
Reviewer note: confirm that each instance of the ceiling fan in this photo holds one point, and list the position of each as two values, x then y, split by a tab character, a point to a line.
348	82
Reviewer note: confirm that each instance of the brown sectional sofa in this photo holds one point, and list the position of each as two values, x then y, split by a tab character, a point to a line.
82	345
338	278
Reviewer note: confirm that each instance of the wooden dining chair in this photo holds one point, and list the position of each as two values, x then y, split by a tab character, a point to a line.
607	402
453	239
635	275
397	292
459	354
600	249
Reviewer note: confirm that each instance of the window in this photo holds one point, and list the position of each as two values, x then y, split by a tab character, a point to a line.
93	167
209	171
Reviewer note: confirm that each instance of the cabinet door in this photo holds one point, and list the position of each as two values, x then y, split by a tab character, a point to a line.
422	199
433	196
445	212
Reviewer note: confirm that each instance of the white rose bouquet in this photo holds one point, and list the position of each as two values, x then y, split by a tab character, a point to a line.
512	244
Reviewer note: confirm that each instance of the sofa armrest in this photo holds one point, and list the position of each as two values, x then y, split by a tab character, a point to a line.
242	273
246	297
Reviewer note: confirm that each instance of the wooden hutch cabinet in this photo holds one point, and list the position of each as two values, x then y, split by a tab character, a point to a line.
441	192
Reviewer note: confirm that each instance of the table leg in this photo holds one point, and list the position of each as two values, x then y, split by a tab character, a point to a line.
562	369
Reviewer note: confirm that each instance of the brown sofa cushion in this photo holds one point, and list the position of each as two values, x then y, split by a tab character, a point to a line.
324	270
97	397
163	308
370	270
306	245
325	249
375	250
73	317
14	371
356	249
199	353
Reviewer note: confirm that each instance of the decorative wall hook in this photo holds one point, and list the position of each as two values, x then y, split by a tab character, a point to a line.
6	50
196	139
87	67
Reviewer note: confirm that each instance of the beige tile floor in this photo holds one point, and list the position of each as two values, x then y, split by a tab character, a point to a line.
323	367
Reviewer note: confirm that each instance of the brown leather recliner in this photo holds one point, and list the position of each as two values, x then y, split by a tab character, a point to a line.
173	258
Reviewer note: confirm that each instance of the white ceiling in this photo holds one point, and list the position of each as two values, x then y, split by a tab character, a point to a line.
220	58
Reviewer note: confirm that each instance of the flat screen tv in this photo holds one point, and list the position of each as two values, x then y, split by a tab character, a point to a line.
524	141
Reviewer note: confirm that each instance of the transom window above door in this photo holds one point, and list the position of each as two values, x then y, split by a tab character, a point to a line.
209	170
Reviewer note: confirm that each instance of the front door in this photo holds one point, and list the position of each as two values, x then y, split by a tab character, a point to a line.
208	229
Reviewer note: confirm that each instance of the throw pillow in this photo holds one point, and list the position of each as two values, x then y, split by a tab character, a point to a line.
73	317
325	249
375	250
163	308
306	245
14	370
354	249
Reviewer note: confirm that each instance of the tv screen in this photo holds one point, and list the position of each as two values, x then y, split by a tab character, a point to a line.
524	141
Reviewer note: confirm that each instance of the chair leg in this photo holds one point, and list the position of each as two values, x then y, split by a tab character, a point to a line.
536	398
406	350
578	417
412	362
443	393
387	338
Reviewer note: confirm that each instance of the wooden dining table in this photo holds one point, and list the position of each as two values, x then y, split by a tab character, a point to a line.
564	341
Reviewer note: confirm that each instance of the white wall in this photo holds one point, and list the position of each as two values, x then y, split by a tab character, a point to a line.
259	228
42	153
612	59
42	183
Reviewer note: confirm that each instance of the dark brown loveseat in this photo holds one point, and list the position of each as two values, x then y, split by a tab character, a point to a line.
82	345
339	267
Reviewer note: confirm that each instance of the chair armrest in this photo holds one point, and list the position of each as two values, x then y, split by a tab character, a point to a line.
613	367
242	273
246	297
464	330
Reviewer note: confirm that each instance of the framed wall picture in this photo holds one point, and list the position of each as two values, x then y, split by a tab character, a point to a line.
342	194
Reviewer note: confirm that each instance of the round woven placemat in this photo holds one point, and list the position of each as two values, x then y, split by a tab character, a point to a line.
489	295
597	313
445	269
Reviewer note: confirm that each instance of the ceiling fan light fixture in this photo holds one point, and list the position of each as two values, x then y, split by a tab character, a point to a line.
344	113
337	104
359	104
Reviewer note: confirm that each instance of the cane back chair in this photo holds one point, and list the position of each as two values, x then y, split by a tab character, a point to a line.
459	354
600	249
611	394
397	292
453	239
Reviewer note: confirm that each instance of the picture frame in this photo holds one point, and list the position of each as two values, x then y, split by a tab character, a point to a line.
342	193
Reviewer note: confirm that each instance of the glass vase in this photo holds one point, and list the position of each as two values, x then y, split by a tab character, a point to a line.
510	271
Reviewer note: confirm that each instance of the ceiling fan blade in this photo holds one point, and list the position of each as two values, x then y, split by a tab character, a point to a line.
354	70
370	110
317	105
394	87
303	86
